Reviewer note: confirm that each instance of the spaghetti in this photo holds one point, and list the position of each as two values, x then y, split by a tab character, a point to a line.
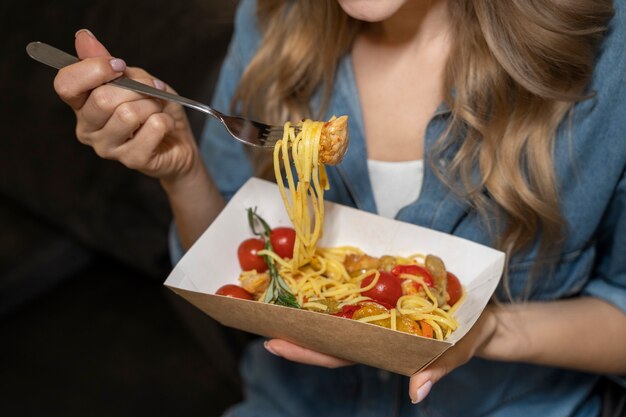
343	280
307	193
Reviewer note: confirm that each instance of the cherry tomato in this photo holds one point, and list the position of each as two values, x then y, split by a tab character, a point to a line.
235	291
454	289
347	311
380	303
283	239
387	290
372	309
414	270
247	254
407	325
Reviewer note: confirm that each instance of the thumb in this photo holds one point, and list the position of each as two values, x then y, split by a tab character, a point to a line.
457	355
87	46
423	381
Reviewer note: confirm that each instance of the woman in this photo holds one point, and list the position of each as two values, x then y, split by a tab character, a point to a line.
517	111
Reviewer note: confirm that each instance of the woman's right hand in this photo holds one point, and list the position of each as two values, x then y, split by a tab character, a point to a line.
145	134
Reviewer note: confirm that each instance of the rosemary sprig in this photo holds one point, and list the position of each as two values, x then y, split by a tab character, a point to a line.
278	292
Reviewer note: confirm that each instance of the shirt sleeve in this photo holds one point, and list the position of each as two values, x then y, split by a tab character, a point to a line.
609	282
608	277
225	158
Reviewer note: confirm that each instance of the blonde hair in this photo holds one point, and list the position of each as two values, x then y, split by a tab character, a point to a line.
514	72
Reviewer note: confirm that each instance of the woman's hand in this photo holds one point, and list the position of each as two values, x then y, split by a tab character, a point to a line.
475	342
145	134
303	355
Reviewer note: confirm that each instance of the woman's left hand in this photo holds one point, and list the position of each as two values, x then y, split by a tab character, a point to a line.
475	342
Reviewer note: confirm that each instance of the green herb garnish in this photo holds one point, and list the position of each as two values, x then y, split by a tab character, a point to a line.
278	292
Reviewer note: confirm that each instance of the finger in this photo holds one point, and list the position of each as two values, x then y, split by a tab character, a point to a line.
74	82
103	102
126	120
306	356
87	46
422	382
142	151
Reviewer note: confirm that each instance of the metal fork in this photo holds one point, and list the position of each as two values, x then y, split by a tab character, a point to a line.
247	131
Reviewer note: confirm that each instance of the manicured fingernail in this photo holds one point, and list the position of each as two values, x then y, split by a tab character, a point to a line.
87	31
118	64
158	84
269	349
422	392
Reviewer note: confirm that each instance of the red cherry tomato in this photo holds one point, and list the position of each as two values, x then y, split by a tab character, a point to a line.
235	291
454	289
387	290
414	270
283	239
347	311
247	254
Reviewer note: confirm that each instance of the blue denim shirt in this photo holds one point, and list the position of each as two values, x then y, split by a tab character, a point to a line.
590	162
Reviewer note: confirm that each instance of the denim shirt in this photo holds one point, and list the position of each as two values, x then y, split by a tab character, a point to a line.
590	164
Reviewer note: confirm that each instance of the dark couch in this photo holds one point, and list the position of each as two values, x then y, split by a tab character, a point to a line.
85	324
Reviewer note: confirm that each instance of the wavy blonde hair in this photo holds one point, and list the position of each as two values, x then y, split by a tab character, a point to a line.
514	72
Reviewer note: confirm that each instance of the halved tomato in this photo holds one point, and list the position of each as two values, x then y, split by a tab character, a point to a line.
235	291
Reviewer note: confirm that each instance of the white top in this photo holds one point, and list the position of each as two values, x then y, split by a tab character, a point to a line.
395	184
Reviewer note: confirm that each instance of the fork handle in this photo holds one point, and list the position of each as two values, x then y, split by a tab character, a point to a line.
58	59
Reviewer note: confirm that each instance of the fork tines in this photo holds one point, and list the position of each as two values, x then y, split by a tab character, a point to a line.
273	134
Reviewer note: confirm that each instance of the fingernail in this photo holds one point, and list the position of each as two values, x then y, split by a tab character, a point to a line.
87	31
423	391
158	84
269	349
118	64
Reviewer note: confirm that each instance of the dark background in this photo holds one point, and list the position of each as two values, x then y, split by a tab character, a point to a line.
86	327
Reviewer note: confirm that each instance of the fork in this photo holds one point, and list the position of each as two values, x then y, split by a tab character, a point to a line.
247	131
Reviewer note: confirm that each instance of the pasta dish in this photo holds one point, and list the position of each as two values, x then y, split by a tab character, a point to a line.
413	293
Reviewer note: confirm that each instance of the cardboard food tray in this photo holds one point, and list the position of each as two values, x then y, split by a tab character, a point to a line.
212	262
